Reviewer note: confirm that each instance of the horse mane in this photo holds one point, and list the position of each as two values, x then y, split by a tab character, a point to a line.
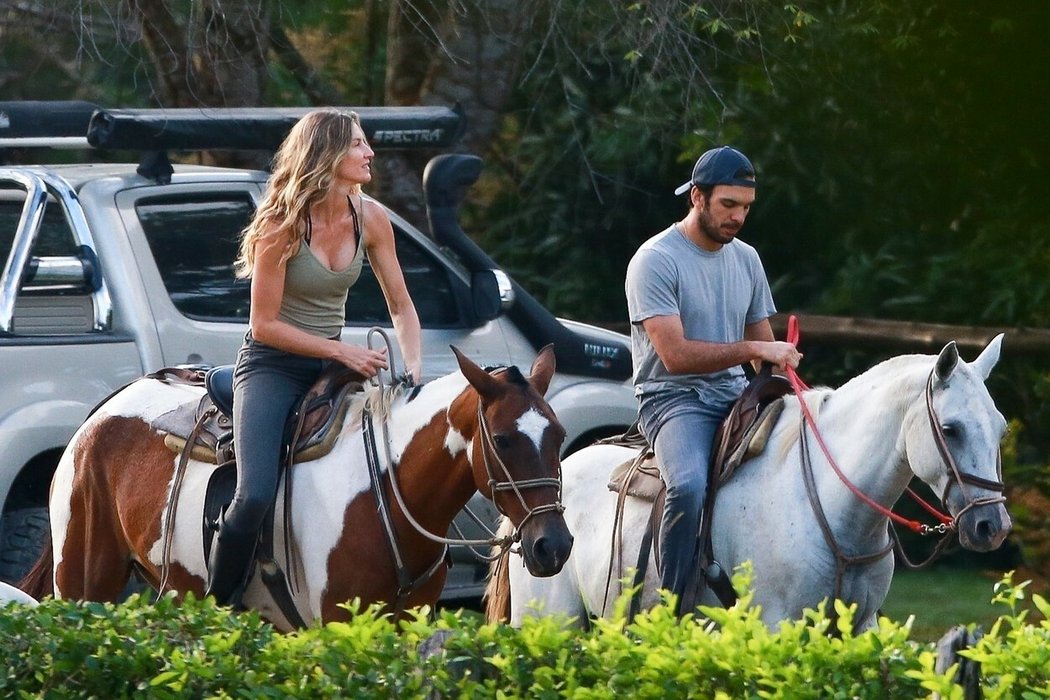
513	375
378	400
897	370
815	399
897	376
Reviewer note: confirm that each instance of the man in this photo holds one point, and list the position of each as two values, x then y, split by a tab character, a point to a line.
699	306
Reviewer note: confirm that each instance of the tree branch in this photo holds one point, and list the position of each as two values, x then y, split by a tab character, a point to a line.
164	41
317	89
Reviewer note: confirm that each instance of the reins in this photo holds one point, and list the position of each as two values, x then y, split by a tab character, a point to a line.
947	523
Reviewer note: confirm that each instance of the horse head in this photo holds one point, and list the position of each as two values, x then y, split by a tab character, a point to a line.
954	447
515	457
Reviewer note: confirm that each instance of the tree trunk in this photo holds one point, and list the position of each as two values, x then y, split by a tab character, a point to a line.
218	59
471	55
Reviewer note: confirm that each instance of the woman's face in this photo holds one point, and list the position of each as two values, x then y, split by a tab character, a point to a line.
356	164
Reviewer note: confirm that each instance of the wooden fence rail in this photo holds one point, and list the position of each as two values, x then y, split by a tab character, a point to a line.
912	336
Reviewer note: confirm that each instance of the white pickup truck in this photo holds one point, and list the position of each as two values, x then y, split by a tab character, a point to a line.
114	270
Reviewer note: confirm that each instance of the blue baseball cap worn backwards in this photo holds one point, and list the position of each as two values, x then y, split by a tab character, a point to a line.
721	166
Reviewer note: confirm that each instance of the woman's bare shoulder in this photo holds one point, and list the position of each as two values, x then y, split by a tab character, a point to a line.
374	211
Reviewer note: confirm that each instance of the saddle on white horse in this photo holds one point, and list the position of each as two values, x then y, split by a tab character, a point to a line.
742	435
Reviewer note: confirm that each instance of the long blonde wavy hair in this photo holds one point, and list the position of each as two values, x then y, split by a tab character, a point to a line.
303	171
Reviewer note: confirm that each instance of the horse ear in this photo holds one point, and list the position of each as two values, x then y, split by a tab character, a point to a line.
989	357
483	382
542	370
947	361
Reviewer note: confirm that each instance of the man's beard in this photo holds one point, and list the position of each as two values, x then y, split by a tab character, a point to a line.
715	232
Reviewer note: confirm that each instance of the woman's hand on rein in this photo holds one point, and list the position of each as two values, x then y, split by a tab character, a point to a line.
367	361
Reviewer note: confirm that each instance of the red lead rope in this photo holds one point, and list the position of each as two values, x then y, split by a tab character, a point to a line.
800	386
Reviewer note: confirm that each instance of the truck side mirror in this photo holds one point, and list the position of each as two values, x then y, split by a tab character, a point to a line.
491	293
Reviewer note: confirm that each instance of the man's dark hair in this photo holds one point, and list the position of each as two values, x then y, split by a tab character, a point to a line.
705	191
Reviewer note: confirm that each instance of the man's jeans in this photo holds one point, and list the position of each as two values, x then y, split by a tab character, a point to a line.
681	426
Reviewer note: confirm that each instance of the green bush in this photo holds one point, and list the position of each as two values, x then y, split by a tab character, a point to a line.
191	649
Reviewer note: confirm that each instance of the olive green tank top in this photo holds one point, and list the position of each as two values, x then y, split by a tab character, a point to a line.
315	296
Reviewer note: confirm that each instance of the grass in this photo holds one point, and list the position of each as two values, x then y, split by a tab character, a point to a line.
942	597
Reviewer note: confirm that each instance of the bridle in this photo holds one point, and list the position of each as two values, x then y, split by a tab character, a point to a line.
489	454
959	477
490	458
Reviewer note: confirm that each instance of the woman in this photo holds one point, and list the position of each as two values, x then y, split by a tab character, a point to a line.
302	250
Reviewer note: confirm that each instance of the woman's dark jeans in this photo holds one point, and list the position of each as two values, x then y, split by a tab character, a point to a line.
267	383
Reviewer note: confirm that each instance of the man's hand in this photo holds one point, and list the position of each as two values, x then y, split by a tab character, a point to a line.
781	354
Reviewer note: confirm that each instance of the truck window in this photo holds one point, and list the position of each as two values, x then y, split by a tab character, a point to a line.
54	239
194	241
427	282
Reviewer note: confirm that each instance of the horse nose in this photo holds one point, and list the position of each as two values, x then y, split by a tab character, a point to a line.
551	550
990	530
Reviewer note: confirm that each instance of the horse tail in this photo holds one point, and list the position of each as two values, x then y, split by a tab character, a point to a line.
497	591
39	582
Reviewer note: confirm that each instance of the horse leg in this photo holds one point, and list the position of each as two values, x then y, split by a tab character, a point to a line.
92	559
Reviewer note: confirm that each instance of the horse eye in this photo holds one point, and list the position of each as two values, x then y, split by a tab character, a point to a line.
501	440
950	430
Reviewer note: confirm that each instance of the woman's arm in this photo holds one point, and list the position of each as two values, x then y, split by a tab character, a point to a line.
379	241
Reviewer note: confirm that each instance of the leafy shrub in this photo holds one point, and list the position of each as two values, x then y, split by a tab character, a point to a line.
193	649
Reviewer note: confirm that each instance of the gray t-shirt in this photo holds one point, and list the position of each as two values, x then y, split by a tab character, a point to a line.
715	295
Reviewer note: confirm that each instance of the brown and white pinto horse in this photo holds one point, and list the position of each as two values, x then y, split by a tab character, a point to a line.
470	430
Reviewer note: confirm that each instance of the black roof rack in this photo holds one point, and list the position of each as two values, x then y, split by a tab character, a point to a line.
73	124
55	124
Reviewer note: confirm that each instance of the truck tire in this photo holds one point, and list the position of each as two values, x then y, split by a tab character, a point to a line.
23	533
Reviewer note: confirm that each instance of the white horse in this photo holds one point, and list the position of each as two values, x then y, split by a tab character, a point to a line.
10	594
914	415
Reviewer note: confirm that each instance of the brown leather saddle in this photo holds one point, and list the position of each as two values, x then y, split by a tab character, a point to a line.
742	435
310	431
205	427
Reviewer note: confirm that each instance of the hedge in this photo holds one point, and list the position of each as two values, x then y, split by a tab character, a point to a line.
193	649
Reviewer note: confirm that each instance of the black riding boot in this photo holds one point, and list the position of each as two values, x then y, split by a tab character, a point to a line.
232	552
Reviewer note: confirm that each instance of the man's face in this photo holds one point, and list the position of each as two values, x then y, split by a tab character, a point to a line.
722	214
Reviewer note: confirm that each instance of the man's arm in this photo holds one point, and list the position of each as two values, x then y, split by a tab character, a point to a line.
683	356
760	331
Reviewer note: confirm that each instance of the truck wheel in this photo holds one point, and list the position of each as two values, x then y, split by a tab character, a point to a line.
23	533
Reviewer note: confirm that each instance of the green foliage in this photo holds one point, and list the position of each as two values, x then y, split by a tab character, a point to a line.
900	175
163	650
63	649
1014	654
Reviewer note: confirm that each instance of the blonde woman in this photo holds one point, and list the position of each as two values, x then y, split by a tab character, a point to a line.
303	250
